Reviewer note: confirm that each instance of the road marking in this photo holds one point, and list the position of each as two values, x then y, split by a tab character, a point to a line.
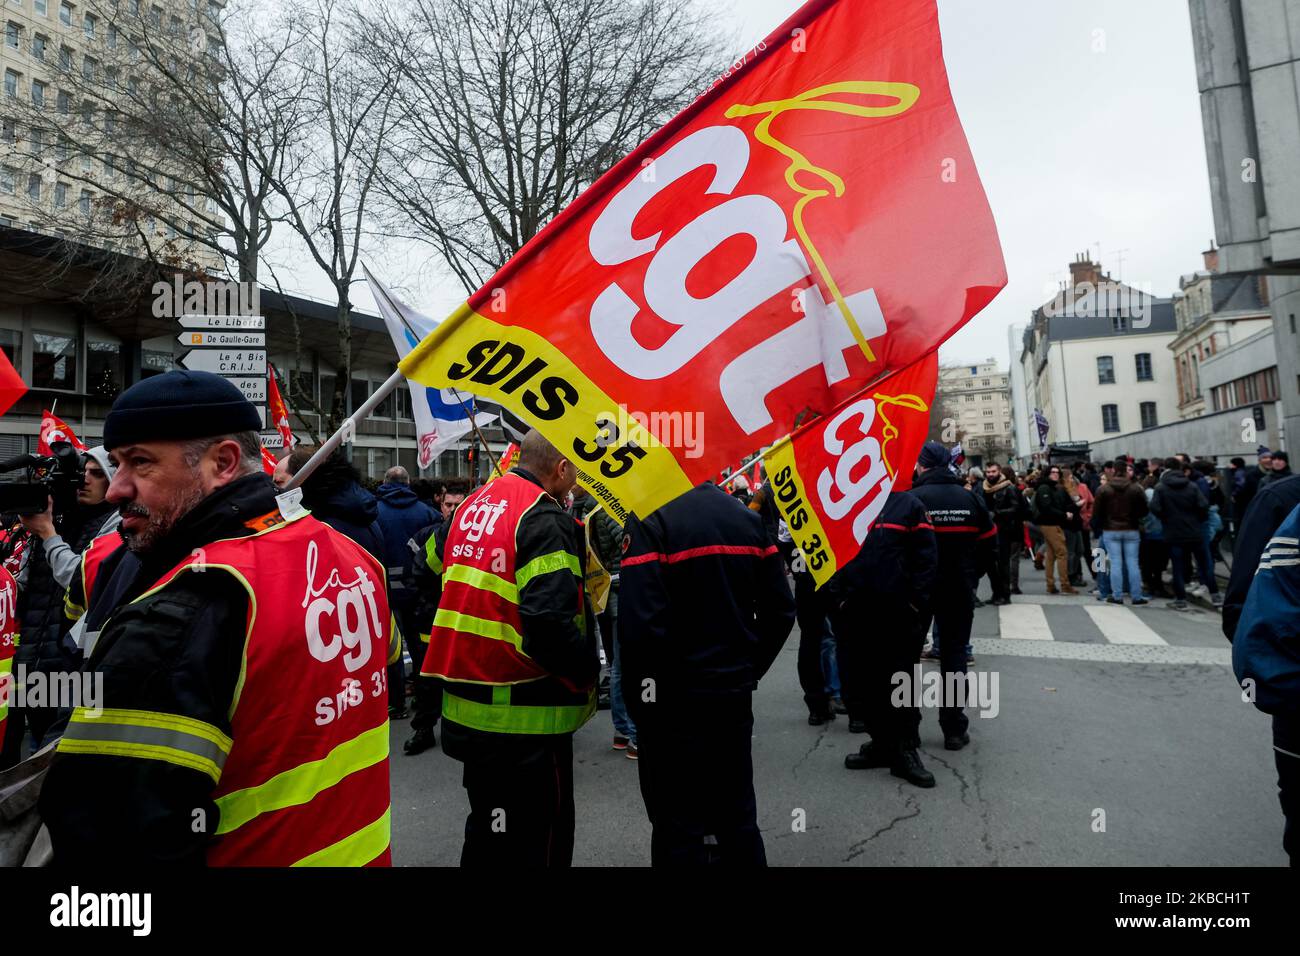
1119	625
1112	653
1025	622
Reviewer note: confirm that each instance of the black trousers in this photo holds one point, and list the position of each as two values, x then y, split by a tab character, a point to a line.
1000	573
869	657
697	781
426	702
953	618
1286	754
810	612
521	810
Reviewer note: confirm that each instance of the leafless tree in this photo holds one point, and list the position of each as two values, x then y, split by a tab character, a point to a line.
332	172
171	125
507	109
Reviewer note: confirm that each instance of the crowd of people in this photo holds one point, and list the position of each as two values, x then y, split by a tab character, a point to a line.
246	709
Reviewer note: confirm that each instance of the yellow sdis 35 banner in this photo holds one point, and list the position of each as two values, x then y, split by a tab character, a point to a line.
812	223
830	479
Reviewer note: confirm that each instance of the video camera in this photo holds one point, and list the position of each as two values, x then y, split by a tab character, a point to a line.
58	476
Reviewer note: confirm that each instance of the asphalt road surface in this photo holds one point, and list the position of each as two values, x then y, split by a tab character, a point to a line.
1120	739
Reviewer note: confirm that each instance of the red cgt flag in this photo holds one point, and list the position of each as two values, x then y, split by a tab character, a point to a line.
53	429
268	460
12	386
279	411
810	224
831	478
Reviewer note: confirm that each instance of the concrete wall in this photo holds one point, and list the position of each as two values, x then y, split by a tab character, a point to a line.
1218	437
1246	357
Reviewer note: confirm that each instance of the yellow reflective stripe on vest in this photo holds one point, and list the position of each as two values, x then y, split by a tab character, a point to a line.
546	564
394	641
483	580
300	784
431	554
147	735
503	717
70	610
6	685
468	624
356	849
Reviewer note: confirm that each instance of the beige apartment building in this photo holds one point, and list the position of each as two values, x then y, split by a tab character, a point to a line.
978	400
68	68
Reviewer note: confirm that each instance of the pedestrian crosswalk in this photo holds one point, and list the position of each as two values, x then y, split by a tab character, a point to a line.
1081	628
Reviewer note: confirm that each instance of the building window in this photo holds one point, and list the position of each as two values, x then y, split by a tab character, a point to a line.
65	58
34	187
1110	418
970	398
8	180
11	35
11	83
64	101
38	143
8	131
88	24
11	343
38	93
39	44
41	7
1105	370
988	412
104	369
84	203
54	360
112	37
1119	323
60	195
88	65
986	381
65	14
1143	362
987	397
988	426
1148	410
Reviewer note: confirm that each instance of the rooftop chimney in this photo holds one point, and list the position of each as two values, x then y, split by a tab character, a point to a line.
1211	256
1083	269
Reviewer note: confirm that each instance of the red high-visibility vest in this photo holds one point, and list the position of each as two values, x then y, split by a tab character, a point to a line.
477	636
302	778
8	643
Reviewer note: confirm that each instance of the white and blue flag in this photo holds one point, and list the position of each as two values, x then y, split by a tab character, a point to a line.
442	415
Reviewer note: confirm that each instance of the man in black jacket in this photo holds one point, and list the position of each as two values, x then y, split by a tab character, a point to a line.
877	601
1006	505
1182	511
1052	511
171	660
706	609
1268	510
967	542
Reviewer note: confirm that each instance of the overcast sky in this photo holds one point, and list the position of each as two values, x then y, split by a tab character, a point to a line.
1085	123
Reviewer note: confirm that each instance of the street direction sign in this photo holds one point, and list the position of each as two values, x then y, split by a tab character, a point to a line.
254	389
228	362
245	322
236	340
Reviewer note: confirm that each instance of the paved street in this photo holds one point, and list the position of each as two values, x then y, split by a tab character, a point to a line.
1133	712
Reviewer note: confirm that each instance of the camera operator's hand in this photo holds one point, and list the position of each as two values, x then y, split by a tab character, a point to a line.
41	525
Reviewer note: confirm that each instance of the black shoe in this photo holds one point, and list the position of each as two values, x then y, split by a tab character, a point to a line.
979	603
910	768
837	706
1017	591
1000	602
419	742
398	713
816	719
870	757
955	741
602	701
857	726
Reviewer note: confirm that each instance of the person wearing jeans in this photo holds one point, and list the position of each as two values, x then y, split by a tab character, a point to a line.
1182	510
1118	511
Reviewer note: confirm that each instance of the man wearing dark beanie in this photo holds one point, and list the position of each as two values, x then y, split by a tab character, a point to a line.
238	646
